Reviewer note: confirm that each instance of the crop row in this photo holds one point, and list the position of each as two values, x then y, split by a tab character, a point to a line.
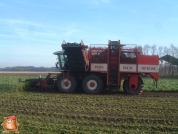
123	112
110	108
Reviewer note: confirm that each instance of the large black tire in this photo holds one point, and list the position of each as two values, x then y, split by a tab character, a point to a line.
71	85
137	91
92	84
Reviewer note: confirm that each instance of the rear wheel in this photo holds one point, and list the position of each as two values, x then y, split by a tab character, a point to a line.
92	84
66	85
137	91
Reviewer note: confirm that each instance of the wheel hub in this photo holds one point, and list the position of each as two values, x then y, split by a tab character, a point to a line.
133	87
66	84
92	84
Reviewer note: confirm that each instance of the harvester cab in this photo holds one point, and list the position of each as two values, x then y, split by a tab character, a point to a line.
61	63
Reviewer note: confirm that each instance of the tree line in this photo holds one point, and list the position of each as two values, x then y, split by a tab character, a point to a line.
29	68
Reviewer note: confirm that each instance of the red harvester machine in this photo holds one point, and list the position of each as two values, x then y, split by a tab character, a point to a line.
98	68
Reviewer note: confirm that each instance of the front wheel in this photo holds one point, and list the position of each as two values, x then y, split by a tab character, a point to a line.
137	91
66	85
92	84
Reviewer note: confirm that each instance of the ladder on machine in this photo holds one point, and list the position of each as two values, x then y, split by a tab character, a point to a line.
113	63
65	74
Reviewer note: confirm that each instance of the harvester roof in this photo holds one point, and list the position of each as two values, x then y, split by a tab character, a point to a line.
58	52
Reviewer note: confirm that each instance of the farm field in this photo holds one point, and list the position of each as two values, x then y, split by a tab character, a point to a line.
10	82
154	111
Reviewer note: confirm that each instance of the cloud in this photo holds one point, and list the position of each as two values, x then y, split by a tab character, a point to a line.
104	1
4	5
70	32
47	6
97	2
41	5
28	30
71	29
4	35
26	33
13	21
21	32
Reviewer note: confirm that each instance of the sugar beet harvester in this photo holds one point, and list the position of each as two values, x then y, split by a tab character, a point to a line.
97	68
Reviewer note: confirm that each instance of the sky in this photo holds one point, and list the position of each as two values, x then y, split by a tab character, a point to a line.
31	30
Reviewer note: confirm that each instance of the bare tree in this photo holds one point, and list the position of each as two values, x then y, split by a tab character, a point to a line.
166	50
140	50
160	51
146	49
176	56
166	64
174	53
153	49
170	67
174	50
